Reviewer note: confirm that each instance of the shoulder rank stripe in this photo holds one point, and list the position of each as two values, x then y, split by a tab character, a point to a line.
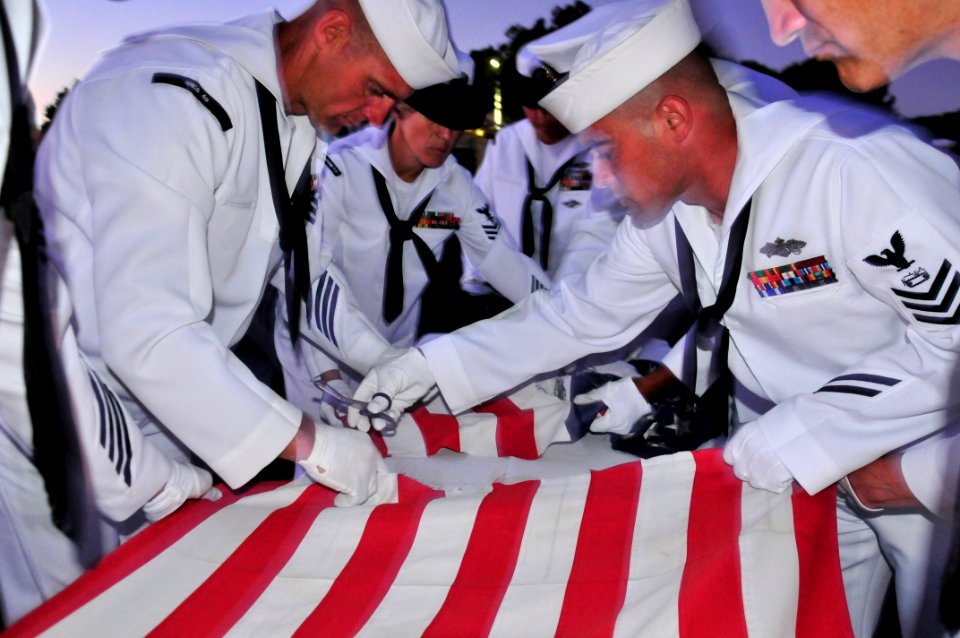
858	383
439	220
198	92
333	168
801	275
536	284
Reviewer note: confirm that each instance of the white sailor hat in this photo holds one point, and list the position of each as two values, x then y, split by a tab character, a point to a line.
611	54
415	37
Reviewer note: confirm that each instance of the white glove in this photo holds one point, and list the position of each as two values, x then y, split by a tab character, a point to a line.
625	406
754	461
330	409
347	461
186	481
391	386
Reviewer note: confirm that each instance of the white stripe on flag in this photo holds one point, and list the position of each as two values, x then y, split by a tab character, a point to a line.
770	572
422	583
307	576
543	564
478	433
659	549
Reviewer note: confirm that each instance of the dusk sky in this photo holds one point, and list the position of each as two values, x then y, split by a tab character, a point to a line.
77	30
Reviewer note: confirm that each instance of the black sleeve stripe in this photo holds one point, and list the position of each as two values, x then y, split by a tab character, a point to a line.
198	92
944	304
123	438
330	297
114	437
869	378
101	411
316	301
849	389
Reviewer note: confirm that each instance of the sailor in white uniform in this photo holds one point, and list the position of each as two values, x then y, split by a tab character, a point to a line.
537	176
817	244
158	184
390	199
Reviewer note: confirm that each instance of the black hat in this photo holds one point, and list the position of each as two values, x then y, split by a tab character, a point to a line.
456	105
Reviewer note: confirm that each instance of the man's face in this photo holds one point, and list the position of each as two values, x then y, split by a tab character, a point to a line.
869	41
364	88
632	161
427	141
548	129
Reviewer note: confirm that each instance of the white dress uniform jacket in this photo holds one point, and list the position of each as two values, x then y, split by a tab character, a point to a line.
851	365
584	218
843	331
160	219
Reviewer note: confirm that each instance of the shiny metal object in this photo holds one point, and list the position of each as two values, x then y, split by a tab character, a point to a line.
341	402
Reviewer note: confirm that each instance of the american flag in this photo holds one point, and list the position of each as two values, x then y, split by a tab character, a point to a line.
673	546
522	424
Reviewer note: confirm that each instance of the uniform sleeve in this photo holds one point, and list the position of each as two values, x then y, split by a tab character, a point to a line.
898	225
618	297
151	163
931	470
494	252
334	324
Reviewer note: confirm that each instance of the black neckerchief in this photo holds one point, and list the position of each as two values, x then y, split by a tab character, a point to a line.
293	212
400	232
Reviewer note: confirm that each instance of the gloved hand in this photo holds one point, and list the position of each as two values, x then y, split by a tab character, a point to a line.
754	461
625	406
186	481
331	410
347	461
391	386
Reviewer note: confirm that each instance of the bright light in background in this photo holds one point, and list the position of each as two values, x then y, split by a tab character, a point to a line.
494	63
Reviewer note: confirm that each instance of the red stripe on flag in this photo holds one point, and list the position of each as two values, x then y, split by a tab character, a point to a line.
216	605
438	430
515	429
711	603
601	565
136	552
822	608
379	443
488	563
367	576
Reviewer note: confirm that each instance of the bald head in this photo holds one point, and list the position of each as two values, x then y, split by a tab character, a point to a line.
675	140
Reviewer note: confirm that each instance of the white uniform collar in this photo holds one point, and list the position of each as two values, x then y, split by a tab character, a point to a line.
547	158
371	144
761	106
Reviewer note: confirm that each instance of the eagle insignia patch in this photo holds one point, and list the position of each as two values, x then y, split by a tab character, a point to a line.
893	256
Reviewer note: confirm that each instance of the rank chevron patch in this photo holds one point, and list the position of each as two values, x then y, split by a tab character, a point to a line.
867	385
929	306
491	223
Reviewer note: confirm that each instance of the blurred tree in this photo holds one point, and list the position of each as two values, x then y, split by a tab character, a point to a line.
51	109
